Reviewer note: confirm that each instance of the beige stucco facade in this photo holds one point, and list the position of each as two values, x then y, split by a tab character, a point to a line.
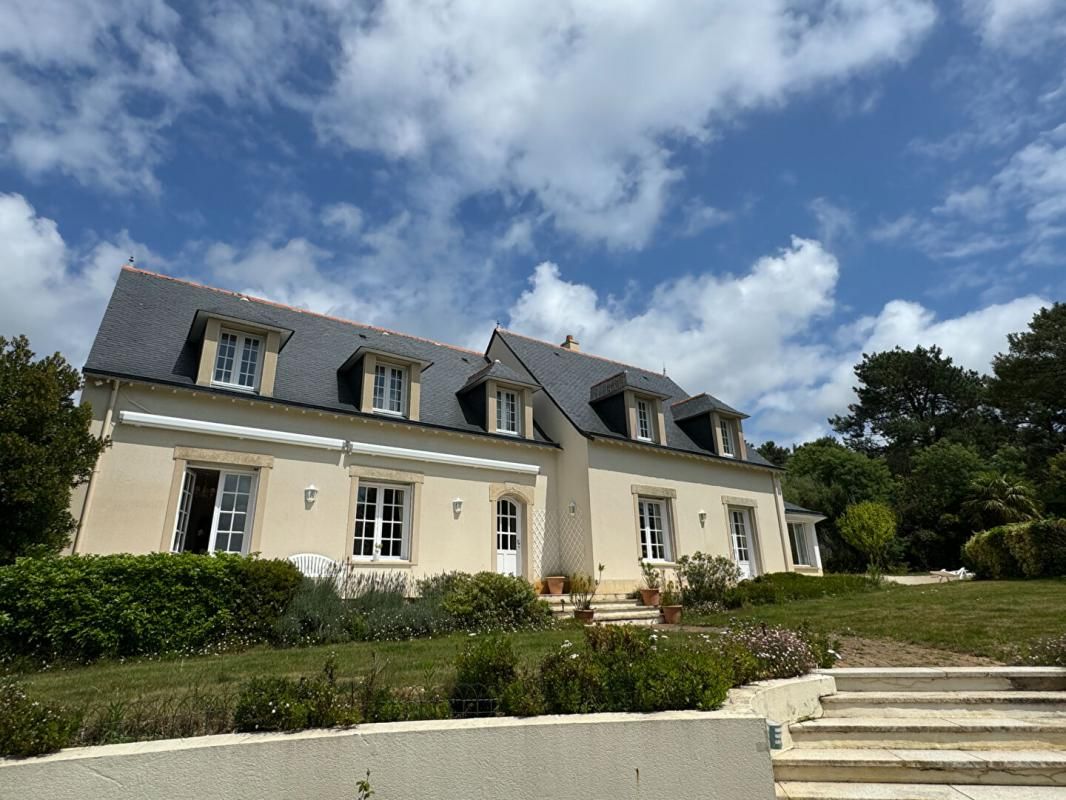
577	499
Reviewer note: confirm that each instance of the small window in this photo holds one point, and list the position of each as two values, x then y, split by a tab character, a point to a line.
654	530
237	362
729	447
507	412
381	522
643	421
801	553
390	389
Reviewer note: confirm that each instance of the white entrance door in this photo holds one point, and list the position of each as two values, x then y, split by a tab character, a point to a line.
181	528
231	528
508	537
740	527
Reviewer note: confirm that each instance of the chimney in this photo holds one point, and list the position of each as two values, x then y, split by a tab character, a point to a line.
571	344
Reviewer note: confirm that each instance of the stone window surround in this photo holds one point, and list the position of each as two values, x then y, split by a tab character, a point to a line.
410	480
205	458
810	531
668	496
524	496
754	534
658	419
738	431
209	350
525	401
414	384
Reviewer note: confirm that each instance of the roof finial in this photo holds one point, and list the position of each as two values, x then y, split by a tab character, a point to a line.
664	369
131	261
499	324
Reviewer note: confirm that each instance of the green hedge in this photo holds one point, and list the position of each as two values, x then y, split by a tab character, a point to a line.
783	587
82	608
1022	550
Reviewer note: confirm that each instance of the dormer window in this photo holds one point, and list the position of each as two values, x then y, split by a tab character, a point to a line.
643	421
238	360
390	389
507	412
729	444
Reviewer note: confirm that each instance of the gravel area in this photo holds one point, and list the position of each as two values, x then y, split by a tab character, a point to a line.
857	652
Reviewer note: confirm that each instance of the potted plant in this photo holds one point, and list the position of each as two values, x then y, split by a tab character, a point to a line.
554	584
671	603
582	590
649	593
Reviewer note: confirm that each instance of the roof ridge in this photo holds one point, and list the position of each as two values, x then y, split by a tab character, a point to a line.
296	309
690	397
582	353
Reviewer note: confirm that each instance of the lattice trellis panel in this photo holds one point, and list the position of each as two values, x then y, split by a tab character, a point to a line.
537	542
562	547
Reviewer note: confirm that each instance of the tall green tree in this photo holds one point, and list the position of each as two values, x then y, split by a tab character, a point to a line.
825	476
908	399
45	449
1029	386
870	528
774	453
998	499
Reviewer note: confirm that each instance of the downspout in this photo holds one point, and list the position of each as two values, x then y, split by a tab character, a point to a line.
782	527
91	489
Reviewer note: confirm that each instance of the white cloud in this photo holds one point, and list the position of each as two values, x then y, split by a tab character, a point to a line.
1019	25
52	293
834	222
344	217
761	340
698	217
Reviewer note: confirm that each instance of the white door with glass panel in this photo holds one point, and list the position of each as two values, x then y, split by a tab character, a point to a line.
508	537
381	522
217	506
743	541
654	530
231	528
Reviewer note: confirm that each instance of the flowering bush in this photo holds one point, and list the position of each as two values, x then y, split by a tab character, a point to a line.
706	579
29	727
1049	651
762	652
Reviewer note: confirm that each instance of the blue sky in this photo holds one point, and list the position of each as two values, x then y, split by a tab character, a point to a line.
750	194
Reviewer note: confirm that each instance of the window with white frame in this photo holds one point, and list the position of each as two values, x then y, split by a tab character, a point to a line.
801	550
507	416
238	360
729	447
390	388
381	522
654	522
643	420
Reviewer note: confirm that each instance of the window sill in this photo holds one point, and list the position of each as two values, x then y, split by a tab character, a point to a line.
669	564
235	387
387	413
381	562
515	434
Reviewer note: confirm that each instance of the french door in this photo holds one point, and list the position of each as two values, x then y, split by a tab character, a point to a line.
743	541
508	537
181	528
231	525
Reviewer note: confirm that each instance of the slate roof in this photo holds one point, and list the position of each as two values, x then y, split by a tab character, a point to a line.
619	382
702	403
568	377
499	371
145	334
792	508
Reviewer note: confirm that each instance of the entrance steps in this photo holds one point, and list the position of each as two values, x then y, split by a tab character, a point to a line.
611	609
973	733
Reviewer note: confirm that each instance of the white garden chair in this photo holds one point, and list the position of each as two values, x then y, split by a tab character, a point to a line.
314	565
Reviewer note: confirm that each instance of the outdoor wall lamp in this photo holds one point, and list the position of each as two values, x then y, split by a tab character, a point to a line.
457	506
573	508
703	517
310	494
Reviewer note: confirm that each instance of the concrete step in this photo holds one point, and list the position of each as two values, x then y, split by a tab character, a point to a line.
605	615
797	790
941	704
568	609
988	767
931	733
646	622
948	679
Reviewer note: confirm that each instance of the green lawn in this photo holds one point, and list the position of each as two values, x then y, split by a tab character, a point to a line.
419	662
986	618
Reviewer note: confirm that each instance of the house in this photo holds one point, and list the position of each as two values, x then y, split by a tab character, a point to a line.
242	425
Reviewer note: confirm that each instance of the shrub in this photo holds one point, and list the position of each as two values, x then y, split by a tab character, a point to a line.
29	727
1049	651
870	528
706	579
488	600
316	615
783	587
82	608
777	652
284	704
1039	548
988	554
484	669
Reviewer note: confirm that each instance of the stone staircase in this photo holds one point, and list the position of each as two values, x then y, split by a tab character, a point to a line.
611	609
970	733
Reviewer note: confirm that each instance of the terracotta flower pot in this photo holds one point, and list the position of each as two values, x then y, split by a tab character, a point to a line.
585	615
671	615
649	597
555	583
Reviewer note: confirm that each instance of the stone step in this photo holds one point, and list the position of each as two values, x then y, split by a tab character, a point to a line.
645	622
797	790
940	704
629	613
930	733
621	606
988	767
948	679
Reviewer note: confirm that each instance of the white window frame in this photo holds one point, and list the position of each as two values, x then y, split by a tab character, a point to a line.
644	421
385	407
729	445
501	417
799	539
241	341
378	520
249	513
645	529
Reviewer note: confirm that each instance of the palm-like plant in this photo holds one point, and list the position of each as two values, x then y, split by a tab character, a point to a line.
999	499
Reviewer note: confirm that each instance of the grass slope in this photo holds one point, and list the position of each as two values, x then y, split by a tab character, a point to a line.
986	618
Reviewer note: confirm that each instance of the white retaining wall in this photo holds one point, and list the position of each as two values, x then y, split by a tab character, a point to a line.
719	755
